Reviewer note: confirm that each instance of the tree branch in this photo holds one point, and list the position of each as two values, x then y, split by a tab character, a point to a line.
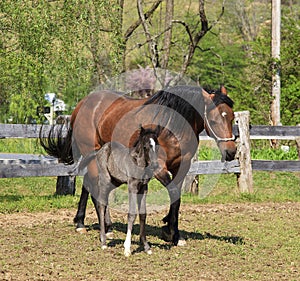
138	22
152	42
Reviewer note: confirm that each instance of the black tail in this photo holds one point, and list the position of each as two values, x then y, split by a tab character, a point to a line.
58	142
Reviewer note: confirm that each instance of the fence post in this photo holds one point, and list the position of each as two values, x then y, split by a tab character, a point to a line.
65	185
244	179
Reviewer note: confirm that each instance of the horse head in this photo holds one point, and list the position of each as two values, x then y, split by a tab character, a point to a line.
146	150
218	118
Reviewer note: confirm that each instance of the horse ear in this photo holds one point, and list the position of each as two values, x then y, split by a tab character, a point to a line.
142	130
223	90
207	97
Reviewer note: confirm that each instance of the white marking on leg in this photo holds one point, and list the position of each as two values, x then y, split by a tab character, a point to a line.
127	244
223	114
181	242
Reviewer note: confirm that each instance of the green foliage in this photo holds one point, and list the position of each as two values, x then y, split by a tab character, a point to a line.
54	47
274	154
290	61
69	47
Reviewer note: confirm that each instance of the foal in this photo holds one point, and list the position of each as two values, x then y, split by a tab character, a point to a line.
135	166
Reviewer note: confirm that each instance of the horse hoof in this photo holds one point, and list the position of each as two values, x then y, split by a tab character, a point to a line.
127	253
110	235
181	242
103	247
81	230
149	252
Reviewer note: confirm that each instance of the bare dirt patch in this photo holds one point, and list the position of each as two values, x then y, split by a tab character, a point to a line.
224	242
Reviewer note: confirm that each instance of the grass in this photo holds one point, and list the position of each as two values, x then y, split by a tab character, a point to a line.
230	236
30	146
235	242
38	194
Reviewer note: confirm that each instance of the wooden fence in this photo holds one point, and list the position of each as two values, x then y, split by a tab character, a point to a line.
25	165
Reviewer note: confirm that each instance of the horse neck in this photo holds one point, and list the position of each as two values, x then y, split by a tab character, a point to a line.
199	125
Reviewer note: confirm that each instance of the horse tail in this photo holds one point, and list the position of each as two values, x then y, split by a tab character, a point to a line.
58	142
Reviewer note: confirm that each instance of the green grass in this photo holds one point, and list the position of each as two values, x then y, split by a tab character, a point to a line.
30	146
38	194
268	187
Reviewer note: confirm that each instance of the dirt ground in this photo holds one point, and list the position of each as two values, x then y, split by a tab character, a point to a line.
224	242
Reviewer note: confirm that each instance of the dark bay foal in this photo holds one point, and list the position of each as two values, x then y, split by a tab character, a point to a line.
118	164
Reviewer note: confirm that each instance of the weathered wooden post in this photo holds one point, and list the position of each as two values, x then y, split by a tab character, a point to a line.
65	185
245	180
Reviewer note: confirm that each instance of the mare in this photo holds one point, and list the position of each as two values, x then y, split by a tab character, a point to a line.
180	114
135	166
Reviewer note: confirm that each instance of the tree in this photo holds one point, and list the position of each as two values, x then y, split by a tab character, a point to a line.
24	52
160	48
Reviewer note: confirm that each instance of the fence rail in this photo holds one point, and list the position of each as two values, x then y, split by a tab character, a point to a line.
256	131
28	165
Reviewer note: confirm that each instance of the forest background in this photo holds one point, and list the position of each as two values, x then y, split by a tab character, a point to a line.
69	47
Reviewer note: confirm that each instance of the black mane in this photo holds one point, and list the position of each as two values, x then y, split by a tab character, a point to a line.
178	106
183	101
219	97
187	101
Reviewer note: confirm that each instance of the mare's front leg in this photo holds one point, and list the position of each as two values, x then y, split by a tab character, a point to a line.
174	190
142	194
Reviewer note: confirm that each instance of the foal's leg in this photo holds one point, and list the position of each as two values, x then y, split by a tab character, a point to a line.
131	218
142	215
100	200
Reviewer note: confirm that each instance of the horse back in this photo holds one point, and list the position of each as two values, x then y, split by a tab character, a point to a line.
96	117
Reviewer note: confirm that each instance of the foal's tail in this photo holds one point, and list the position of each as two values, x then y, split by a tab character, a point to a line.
58	142
86	160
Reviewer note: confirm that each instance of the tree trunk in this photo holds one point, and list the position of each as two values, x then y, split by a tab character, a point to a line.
168	33
275	106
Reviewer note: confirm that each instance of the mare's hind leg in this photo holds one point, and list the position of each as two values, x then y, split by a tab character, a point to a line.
80	215
142	215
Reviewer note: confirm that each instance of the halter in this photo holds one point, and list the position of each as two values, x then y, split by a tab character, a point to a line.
212	131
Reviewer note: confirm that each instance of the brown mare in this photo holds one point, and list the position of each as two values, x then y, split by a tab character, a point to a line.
179	113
